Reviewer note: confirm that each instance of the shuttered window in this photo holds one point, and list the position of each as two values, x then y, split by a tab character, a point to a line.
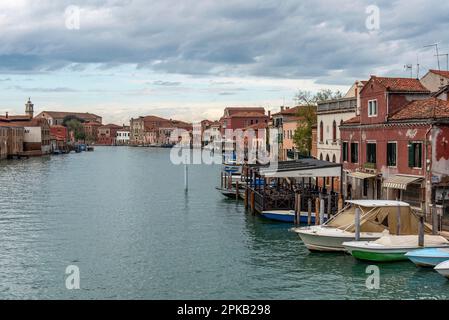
391	154
415	154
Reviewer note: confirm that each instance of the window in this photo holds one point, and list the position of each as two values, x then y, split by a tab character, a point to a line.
334	131
415	154
345	152
321	131
354	152
372	108
371	152
334	159
321	156
391	154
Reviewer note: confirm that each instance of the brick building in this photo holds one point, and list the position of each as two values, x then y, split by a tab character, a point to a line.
241	117
107	134
91	131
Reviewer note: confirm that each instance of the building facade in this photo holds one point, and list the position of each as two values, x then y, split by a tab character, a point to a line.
122	137
375	149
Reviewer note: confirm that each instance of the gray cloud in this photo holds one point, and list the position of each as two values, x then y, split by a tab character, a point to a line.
166	83
322	40
43	90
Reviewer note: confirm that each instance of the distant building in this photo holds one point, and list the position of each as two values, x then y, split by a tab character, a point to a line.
107	134
91	131
3	142
290	115
57	117
58	138
241	117
122	136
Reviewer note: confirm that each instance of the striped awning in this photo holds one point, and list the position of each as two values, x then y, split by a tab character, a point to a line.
400	182
361	175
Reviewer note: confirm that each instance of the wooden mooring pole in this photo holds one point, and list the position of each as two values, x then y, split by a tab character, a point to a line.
309	211
357	224
322	211
317	211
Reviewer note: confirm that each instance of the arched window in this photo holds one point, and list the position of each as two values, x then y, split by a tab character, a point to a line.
334	131
321	131
321	156
327	158
334	160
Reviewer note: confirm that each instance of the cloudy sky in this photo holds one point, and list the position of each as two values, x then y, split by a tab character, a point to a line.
189	59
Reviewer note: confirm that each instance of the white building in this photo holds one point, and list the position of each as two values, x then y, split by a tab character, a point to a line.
122	137
330	115
434	80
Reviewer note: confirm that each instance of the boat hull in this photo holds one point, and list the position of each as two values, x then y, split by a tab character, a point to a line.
287	217
231	193
379	254
320	241
443	269
428	257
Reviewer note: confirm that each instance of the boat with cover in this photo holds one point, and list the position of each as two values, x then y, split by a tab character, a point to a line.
377	218
443	269
392	247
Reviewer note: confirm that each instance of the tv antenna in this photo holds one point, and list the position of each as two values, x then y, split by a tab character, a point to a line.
409	67
437	55
447	59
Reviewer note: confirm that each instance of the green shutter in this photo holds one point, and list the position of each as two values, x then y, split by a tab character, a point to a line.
411	155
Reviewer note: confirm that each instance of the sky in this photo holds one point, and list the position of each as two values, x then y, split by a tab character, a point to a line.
190	59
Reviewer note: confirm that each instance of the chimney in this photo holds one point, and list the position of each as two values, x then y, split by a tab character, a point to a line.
286	108
282	108
269	114
6	114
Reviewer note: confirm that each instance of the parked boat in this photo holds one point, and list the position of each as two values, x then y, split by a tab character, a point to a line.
428	257
443	269
231	192
287	216
378	217
392	247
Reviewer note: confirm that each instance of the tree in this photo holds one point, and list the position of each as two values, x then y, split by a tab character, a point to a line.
307	112
76	125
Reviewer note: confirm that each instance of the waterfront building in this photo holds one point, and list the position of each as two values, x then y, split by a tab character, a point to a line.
122	136
57	117
384	153
277	121
58	138
3	142
241	117
289	126
91	131
107	134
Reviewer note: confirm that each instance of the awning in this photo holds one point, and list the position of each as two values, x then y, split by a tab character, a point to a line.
361	175
400	182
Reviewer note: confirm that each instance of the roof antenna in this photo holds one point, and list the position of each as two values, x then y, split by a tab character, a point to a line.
438	53
417	66
447	59
409	67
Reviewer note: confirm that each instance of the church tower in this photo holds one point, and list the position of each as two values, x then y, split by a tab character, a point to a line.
29	108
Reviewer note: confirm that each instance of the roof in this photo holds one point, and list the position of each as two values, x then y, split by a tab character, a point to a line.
92	123
379	203
230	111
442	73
257	126
288	111
307	167
361	175
354	120
63	114
244	114
399	84
400	181
430	108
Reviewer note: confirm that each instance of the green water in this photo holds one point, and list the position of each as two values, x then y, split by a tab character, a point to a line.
121	215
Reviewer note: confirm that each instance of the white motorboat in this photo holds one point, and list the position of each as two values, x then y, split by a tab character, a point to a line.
378	218
443	269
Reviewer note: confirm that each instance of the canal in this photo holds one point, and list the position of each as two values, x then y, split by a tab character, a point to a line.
122	217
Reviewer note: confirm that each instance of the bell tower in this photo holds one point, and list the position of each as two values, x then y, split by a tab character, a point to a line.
29	108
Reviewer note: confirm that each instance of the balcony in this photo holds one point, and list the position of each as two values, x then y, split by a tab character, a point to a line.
337	105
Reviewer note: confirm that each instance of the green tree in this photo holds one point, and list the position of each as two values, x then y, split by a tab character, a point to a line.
307	112
76	125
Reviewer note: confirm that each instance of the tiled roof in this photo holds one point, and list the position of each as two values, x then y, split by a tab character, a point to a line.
233	110
440	73
248	114
287	112
400	84
354	120
63	114
430	108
